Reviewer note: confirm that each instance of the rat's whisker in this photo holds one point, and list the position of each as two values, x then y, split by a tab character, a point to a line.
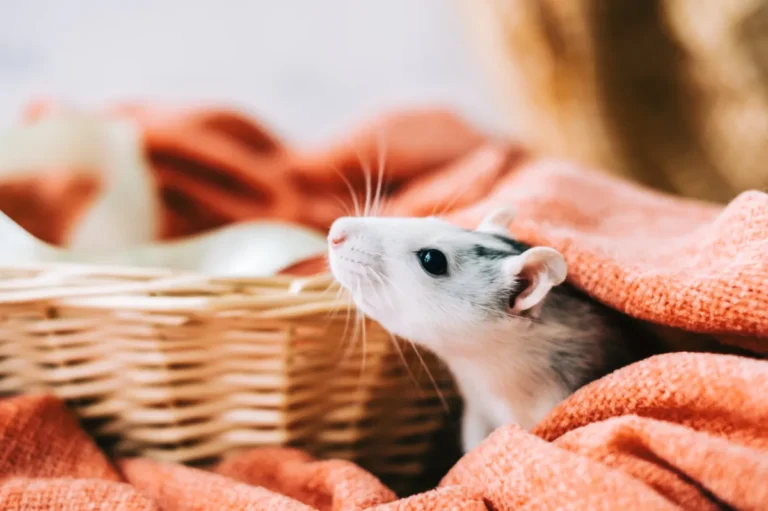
400	353
381	154
340	292
362	318
395	342
327	288
344	207
348	317
432	379
378	254
368	285
378	278
393	284
375	209
349	350
386	201
368	184
364	325
455	195
452	198
368	192
332	313
355	335
352	193
423	363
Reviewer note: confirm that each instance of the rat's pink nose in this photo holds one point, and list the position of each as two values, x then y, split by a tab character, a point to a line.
341	230
337	239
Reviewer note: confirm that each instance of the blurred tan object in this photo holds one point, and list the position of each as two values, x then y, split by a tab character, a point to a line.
124	211
245	249
673	94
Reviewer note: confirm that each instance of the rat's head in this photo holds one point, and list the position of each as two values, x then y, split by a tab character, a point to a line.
434	283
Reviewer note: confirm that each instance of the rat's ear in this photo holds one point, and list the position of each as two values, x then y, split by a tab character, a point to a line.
541	269
497	221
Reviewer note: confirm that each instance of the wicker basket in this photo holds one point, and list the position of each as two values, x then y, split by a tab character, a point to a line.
183	368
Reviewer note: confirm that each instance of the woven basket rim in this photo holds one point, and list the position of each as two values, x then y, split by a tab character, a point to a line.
162	289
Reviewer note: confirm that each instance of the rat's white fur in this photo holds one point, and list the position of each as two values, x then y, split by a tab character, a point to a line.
500	355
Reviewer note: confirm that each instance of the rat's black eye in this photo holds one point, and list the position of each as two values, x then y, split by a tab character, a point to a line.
433	261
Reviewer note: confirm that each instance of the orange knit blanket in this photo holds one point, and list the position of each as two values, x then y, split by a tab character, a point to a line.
676	431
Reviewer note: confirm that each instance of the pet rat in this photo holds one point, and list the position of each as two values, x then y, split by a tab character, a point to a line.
517	338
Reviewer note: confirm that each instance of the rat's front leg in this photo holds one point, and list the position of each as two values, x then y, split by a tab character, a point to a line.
474	427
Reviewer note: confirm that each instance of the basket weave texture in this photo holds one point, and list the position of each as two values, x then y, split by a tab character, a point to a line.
182	367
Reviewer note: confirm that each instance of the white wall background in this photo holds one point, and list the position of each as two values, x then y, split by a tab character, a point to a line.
308	68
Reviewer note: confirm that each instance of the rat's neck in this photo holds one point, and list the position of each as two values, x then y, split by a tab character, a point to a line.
572	338
508	386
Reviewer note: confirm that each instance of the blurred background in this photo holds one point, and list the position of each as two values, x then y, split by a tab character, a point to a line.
672	94
308	69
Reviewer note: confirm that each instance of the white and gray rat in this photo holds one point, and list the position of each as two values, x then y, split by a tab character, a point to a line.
517	339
